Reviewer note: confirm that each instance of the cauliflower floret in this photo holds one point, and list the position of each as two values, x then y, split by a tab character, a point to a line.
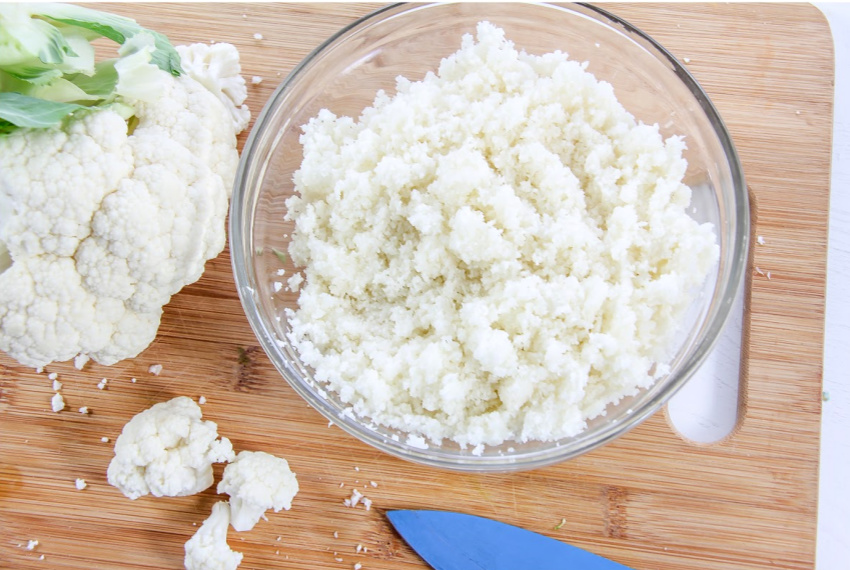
208	549
168	451
128	218
217	68
257	481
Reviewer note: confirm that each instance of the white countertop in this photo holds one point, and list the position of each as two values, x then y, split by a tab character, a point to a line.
834	505
705	408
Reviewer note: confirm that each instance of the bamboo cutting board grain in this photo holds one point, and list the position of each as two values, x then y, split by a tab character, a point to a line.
649	500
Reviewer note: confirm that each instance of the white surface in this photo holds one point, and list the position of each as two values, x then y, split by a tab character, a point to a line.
834	504
705	409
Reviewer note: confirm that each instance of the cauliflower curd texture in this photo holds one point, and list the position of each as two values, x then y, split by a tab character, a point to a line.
495	252
99	226
167	451
257	481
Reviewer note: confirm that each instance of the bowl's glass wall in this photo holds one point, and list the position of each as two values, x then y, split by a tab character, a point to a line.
344	74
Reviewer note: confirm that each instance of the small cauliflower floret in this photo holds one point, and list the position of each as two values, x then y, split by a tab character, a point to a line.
257	481
167	451
208	549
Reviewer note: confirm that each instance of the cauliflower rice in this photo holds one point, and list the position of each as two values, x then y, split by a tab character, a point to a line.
494	253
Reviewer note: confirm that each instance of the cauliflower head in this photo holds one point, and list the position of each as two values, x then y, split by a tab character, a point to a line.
101	224
167	451
257	481
208	549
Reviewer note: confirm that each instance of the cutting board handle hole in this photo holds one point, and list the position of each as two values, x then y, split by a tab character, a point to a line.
706	409
711	406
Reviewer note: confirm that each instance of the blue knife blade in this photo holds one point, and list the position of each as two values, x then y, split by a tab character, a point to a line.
456	541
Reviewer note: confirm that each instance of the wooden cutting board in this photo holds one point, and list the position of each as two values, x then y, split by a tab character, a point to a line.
649	500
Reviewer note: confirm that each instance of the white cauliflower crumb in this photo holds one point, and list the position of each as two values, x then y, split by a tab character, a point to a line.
133	380
57	402
352	502
52	376
80	361
104	439
516	256
416	441
80	484
686	60
167	450
367	503
256	80
336	534
760	240
155	369
102	384
84	410
358	566
57	385
208	548
257	481
202	400
294	282
31	544
258	36
373	483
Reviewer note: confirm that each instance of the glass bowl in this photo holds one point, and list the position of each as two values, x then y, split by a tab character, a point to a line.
343	75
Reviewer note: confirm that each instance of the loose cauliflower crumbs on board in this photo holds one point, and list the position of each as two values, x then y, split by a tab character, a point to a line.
496	252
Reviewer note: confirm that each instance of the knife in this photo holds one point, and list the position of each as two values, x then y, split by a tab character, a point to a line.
456	541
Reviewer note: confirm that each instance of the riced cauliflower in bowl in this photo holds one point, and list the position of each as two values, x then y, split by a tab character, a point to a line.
488	237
